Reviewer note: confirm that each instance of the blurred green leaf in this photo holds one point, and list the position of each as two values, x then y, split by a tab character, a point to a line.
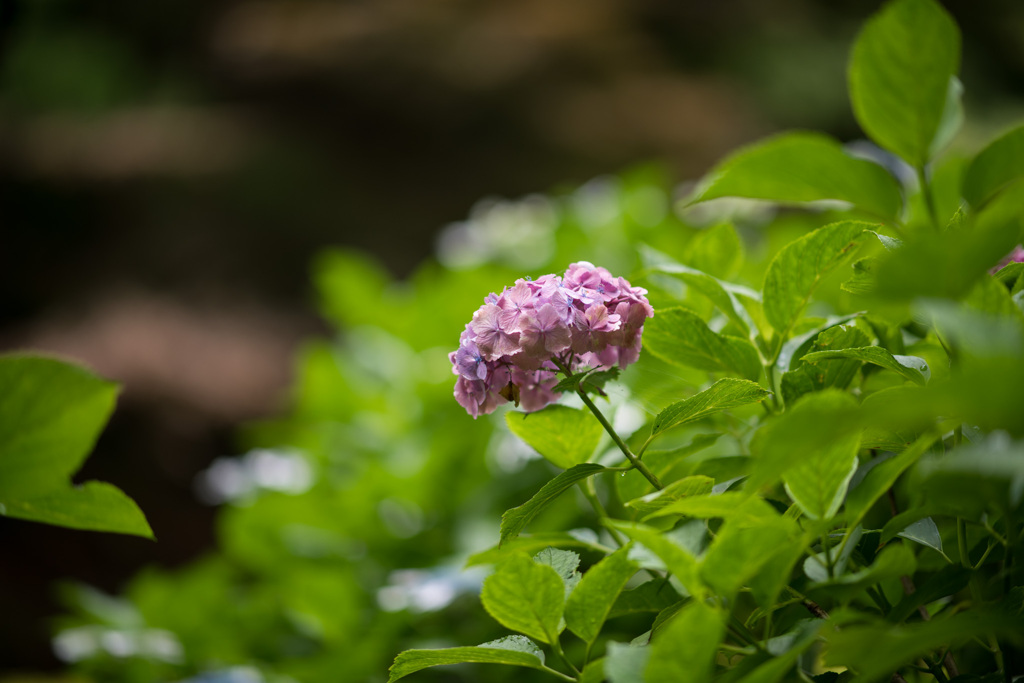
516	519
677	559
650	596
880	479
910	367
798	268
565	436
717	251
803	167
525	596
685	649
625	663
724	295
892	562
591	601
679	336
51	414
724	394
740	550
899	76
682	488
999	164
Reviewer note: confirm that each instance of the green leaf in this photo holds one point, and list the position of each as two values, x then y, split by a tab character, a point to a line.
817	483
525	596
564	562
591	381
513	650
857	646
590	603
94	505
717	251
996	166
925	532
516	519
814	423
583	539
899	76
798	268
729	506
881	478
683	488
565	436
740	550
807	377
650	596
679	336
724	295
892	562
51	414
803	167
910	367
984	476
724	394
678	560
685	649
626	663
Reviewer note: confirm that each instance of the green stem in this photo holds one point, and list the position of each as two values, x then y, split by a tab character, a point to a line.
929	200
590	493
827	551
633	460
557	647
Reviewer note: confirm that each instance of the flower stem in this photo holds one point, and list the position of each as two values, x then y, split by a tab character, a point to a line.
633	460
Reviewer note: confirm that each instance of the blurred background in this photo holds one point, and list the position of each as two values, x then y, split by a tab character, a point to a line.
169	170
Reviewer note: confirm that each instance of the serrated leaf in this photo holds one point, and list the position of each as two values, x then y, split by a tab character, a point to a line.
899	76
680	337
803	167
411	661
516	519
728	506
817	483
806	377
565	436
683	488
590	603
51	414
525	596
724	394
798	268
564	562
925	532
996	166
684	650
913	368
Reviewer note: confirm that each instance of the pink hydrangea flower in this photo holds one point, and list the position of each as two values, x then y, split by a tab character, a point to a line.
585	318
1015	256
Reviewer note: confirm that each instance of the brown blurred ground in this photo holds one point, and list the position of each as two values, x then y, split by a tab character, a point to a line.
168	169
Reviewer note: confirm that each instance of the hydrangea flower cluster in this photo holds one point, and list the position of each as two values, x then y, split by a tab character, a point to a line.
585	318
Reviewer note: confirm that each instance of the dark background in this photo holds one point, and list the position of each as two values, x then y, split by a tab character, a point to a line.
168	169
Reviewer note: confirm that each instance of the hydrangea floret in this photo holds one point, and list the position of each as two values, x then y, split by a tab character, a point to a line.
517	341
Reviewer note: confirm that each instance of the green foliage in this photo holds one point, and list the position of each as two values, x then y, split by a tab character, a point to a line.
51	414
839	488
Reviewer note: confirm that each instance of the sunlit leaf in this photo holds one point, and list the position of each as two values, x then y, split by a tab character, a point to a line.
796	271
818	481
803	167
910	367
722	395
513	650
899	75
679	336
525	596
999	164
565	436
685	649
